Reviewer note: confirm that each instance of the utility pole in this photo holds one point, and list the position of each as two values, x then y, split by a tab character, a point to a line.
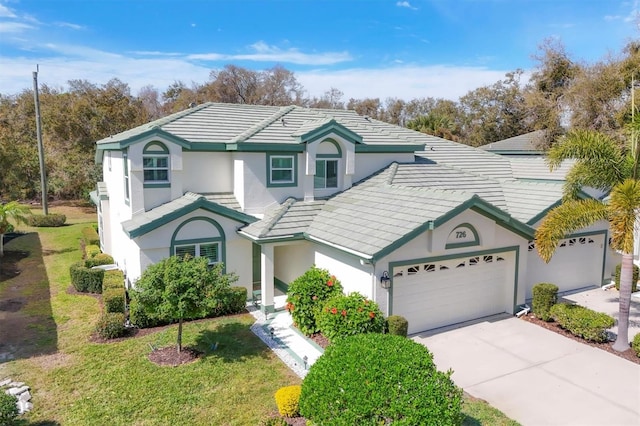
43	174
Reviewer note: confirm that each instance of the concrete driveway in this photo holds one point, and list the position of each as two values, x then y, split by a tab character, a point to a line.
536	376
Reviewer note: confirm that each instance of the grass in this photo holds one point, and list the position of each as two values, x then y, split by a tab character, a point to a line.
77	382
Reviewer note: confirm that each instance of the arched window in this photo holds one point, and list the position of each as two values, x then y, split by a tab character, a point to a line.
199	237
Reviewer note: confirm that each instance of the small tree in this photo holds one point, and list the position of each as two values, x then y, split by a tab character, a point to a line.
11	210
182	288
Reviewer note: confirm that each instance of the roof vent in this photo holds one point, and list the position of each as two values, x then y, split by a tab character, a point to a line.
366	117
192	104
283	122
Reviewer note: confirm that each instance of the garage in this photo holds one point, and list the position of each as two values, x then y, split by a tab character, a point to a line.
437	293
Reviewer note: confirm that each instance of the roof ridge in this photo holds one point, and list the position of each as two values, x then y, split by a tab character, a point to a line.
393	168
262	124
284	207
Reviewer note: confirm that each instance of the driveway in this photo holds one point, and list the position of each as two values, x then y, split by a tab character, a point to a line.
536	376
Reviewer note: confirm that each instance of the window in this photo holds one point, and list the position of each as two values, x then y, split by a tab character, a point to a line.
208	250
155	164
281	170
326	174
125	165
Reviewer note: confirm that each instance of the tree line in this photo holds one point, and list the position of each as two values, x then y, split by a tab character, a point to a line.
561	93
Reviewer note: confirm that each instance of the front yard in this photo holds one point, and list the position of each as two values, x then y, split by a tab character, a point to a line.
75	381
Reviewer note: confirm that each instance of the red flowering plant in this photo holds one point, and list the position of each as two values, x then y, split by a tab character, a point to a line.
307	294
346	315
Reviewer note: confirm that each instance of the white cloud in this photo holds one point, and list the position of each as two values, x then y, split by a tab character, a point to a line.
406	4
262	52
14	27
5	12
70	25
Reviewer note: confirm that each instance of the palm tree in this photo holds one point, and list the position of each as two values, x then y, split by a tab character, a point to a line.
603	164
11	210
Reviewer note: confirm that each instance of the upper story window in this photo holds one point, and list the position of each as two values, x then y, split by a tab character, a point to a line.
327	165
281	169
155	164
125	168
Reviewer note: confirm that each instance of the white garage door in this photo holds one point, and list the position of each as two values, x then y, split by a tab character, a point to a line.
439	293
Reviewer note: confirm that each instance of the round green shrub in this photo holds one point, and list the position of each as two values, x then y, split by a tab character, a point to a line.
398	325
307	294
53	220
583	322
98	259
635	344
379	379
634	279
344	315
111	325
114	299
545	295
8	408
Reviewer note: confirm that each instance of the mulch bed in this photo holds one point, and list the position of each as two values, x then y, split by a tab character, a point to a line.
629	354
320	340
169	356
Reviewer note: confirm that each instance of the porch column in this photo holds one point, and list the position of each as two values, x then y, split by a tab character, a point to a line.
266	278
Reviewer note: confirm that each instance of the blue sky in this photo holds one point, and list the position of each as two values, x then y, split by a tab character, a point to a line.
378	48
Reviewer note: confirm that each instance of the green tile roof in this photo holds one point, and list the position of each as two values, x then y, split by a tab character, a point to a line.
521	144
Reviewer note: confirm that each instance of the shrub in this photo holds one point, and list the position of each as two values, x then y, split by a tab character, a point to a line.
90	236
371	379
86	280
111	325
634	279
287	400
98	259
113	279
142	319
582	322
398	325
307	294
545	295
635	344
51	220
8	408
230	301
346	315
114	299
91	251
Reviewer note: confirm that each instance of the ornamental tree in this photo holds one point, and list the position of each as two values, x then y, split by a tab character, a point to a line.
182	288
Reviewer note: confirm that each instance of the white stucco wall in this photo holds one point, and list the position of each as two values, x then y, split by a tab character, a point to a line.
367	164
292	260
353	275
207	172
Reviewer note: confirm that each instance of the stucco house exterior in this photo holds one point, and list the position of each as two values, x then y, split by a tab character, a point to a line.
271	191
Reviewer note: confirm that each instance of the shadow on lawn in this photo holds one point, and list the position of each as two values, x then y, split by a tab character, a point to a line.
231	342
27	327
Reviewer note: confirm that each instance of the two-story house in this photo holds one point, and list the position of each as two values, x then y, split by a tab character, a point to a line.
434	230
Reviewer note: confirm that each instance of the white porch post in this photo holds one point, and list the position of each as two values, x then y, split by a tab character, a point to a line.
266	278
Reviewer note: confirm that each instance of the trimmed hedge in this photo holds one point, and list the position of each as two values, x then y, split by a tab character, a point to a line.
111	325
397	325
113	279
114	299
52	220
142	319
307	294
545	295
90	236
582	322
635	344
86	280
634	279
98	259
91	251
346	315
379	379
288	400
231	301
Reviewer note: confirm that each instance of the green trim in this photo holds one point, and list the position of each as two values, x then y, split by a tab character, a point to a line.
154	132
515	249
287	148
475	242
156	185
294	183
206	147
332	126
388	148
280	285
202	203
163	147
335	144
220	239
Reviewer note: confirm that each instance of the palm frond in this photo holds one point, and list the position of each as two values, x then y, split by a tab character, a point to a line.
568	217
624	209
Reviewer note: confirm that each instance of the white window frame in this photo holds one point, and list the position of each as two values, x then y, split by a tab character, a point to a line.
272	168
197	250
324	162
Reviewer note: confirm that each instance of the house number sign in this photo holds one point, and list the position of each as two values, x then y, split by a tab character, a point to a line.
462	236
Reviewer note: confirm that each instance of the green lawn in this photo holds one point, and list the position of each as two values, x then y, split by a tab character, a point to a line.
77	382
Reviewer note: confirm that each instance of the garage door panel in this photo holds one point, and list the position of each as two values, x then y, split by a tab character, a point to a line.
447	296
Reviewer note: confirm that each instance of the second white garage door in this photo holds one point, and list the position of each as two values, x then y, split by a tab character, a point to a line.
440	293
